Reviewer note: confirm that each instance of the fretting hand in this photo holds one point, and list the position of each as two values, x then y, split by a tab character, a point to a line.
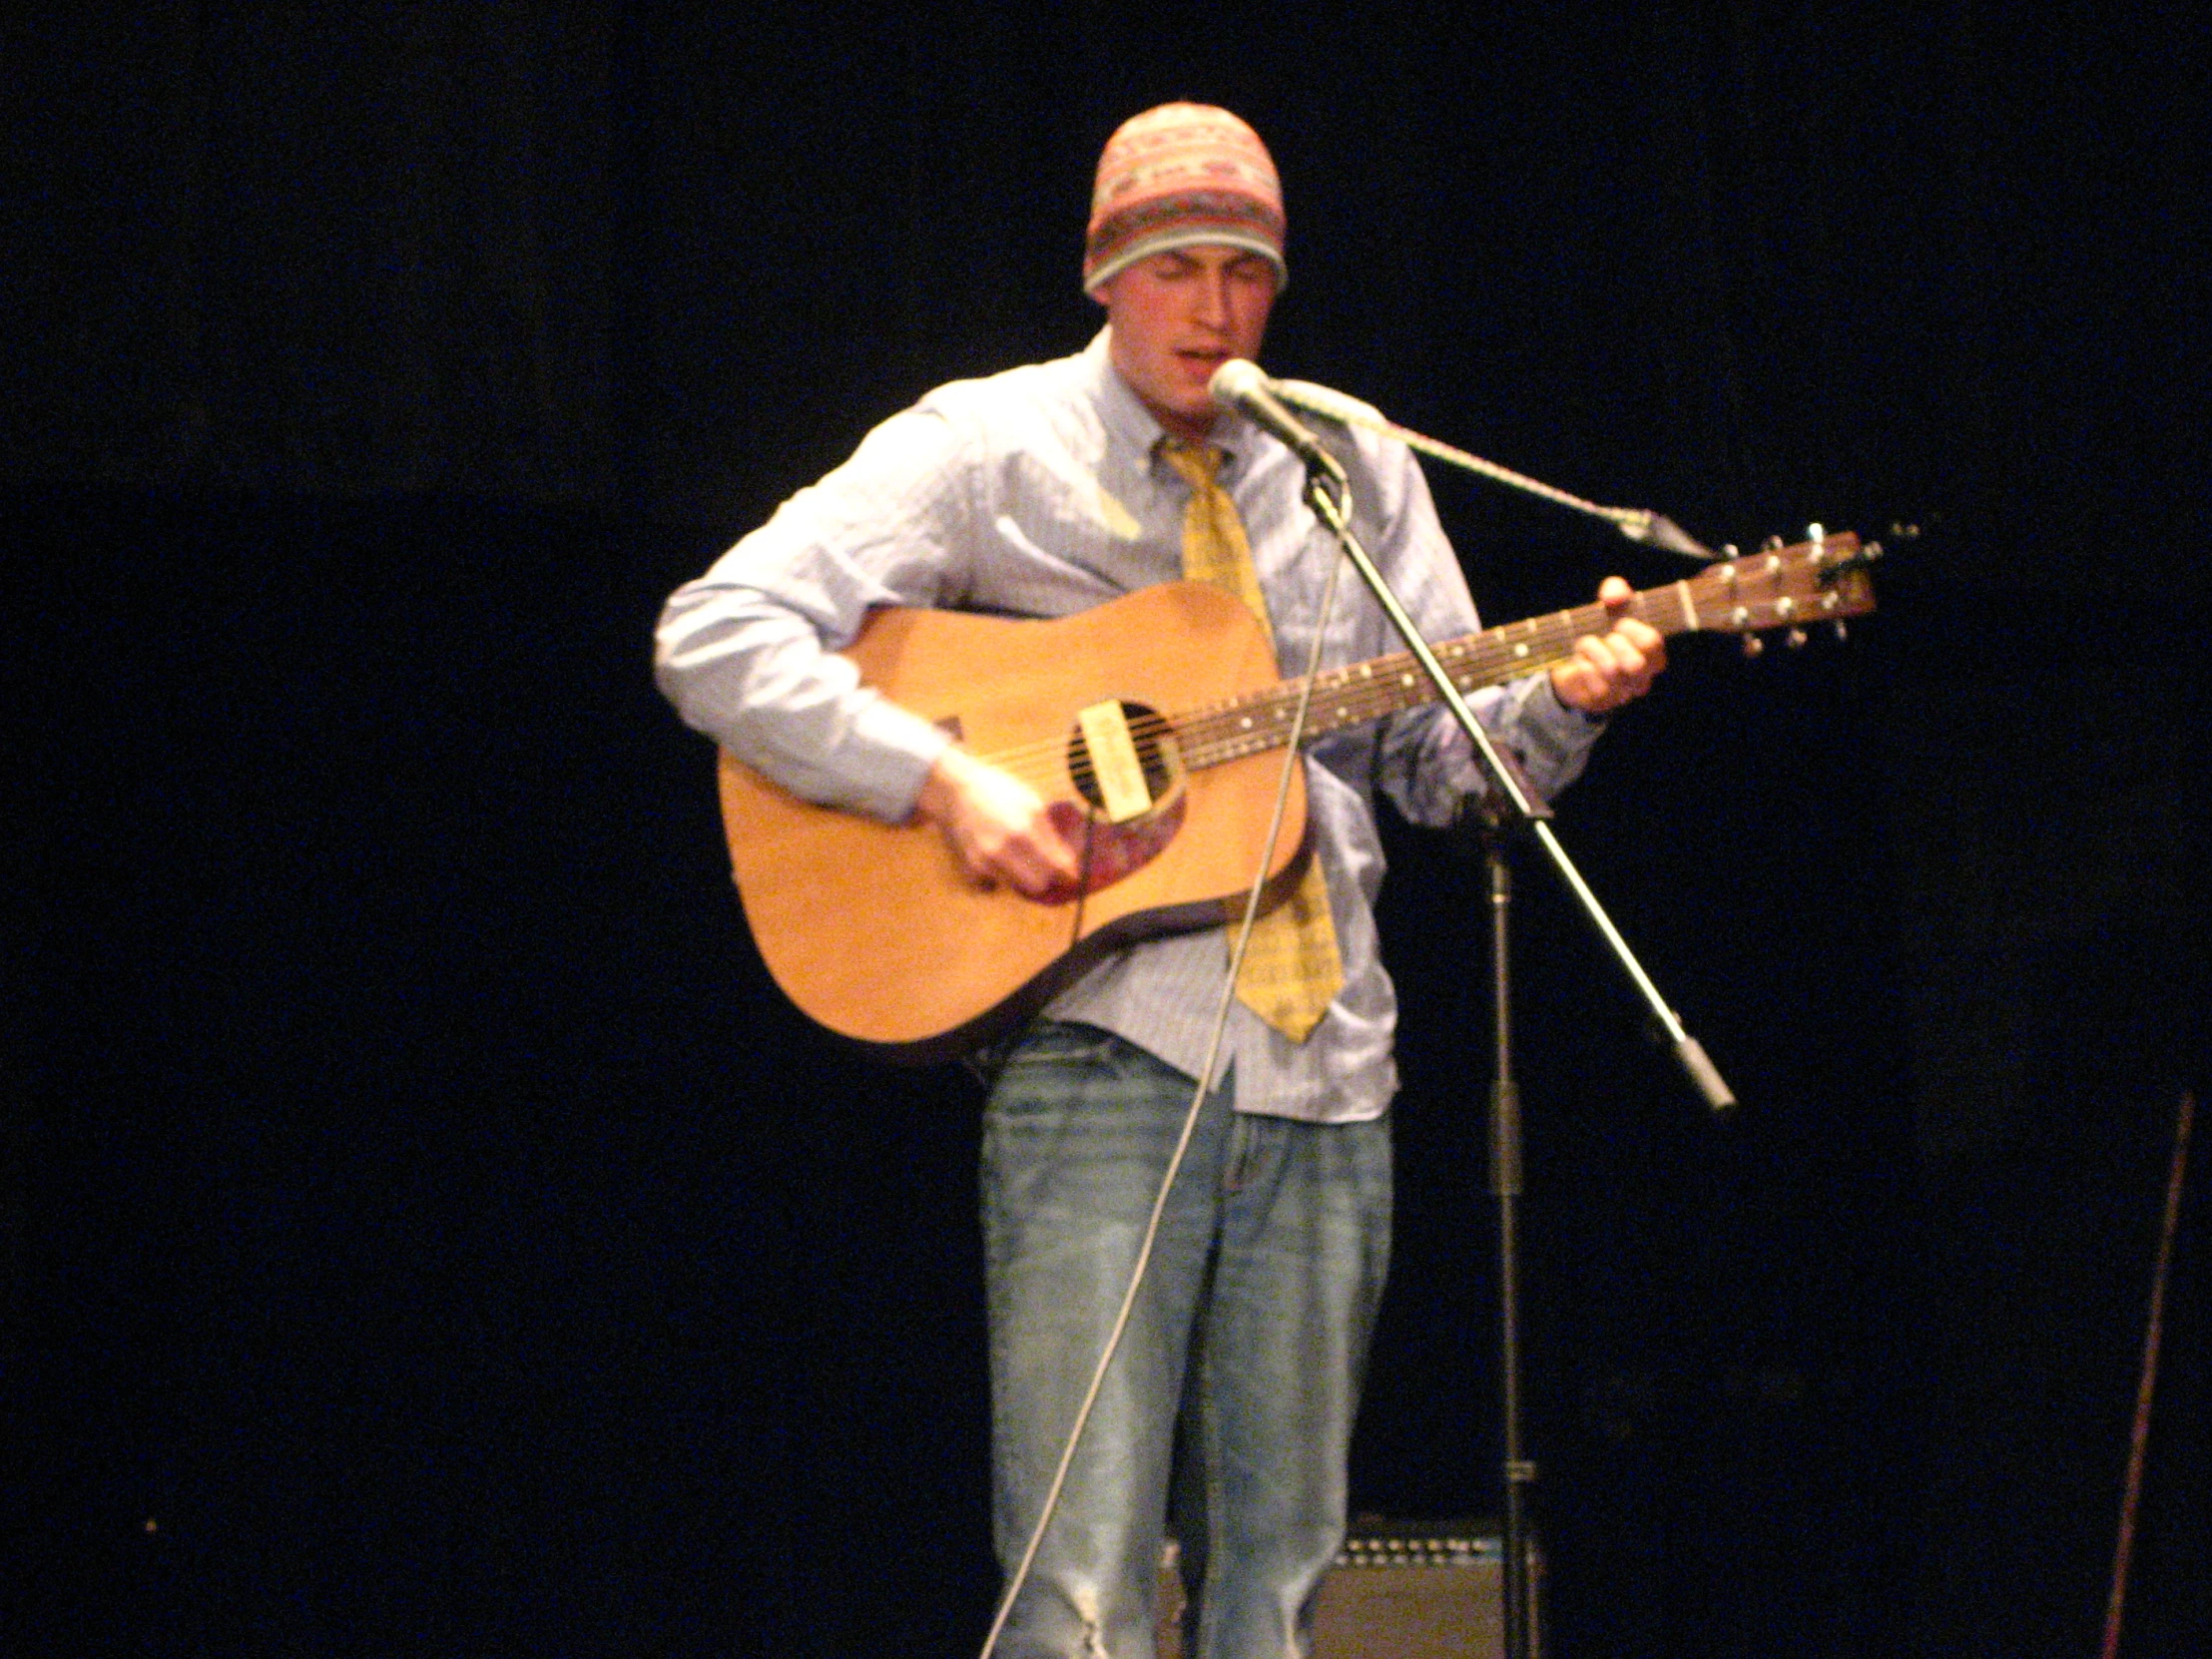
1614	668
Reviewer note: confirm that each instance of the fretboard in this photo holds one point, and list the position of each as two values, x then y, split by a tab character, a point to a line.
1823	579
1360	691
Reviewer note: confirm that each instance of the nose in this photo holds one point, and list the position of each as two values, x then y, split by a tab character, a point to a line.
1212	299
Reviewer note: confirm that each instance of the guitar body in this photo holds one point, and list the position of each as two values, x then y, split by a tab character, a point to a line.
875	931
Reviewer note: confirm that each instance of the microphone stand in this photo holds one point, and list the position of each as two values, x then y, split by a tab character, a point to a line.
1505	1191
1510	805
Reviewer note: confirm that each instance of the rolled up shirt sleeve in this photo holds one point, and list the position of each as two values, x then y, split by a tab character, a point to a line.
1525	716
1427	764
748	651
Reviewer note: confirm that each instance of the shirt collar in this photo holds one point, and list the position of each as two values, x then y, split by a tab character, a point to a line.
1132	424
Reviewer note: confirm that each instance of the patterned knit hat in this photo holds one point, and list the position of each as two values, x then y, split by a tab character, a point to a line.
1178	175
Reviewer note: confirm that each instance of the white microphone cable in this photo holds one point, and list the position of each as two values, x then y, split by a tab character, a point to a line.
1291	759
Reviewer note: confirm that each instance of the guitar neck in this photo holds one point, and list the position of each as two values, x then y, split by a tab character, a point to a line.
1810	582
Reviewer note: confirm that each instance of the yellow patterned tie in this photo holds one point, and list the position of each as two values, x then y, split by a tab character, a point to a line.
1292	971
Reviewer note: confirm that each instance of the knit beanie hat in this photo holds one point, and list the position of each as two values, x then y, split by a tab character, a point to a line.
1178	176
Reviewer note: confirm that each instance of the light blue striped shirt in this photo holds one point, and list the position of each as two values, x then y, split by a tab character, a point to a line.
1040	492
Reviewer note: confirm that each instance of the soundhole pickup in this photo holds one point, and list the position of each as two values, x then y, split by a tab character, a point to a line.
1122	759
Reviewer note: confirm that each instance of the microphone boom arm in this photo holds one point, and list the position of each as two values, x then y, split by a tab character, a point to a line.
1639	524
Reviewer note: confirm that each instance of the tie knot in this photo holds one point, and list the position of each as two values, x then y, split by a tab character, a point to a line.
1200	463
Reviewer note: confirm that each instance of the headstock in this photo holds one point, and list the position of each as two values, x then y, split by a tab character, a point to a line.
1822	579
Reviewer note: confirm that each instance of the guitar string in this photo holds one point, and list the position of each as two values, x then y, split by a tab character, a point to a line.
1379	689
1361	691
1355	696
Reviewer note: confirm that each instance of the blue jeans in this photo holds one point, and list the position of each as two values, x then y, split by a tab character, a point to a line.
1239	1375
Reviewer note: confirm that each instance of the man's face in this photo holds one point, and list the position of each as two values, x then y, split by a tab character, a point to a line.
1179	315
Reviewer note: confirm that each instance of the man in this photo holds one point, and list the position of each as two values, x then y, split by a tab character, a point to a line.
1051	489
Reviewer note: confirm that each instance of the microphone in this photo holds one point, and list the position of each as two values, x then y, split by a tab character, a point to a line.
1240	387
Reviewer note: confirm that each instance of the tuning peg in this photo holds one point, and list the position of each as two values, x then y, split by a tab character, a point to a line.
1753	645
1773	544
1842	632
1729	550
1905	532
1794	638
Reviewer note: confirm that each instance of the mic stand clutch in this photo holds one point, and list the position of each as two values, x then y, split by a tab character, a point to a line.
1510	803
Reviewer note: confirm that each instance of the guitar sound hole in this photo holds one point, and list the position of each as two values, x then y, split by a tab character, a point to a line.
1154	740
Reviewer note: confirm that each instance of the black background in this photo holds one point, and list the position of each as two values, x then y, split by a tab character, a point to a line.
430	1232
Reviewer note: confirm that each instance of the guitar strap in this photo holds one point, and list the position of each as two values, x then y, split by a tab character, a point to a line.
1291	969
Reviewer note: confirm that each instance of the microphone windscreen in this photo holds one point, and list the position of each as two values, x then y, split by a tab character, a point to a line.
1234	382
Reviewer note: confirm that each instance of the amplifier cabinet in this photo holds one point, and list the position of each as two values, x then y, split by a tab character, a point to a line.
1397	1591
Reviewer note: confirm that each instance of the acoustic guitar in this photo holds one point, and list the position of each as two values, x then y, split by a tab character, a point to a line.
1147	724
